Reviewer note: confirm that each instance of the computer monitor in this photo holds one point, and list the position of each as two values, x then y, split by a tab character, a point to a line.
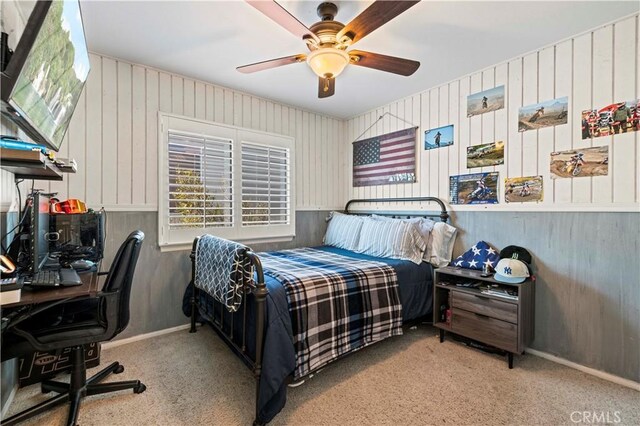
78	236
39	231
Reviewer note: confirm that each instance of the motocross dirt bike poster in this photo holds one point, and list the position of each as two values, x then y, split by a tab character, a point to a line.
523	189
619	117
438	137
485	101
544	114
485	155
583	162
476	188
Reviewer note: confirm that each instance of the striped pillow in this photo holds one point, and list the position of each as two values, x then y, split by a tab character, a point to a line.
423	225
343	231
395	239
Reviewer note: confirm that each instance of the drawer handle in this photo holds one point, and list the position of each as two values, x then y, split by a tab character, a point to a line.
484	298
481	316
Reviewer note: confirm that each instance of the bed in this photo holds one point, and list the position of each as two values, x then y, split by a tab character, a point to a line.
265	331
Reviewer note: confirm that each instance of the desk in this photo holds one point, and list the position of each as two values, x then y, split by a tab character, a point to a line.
38	299
89	288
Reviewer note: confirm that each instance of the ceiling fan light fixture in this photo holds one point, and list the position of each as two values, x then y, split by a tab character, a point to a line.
328	62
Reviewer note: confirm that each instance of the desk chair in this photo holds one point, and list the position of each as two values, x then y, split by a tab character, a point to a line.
96	319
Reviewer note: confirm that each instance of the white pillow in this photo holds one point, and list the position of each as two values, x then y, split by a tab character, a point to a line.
343	231
395	239
423	225
440	249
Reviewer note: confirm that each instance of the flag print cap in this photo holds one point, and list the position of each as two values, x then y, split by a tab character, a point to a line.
511	271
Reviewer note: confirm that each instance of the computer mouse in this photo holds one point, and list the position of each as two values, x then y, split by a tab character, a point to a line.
82	264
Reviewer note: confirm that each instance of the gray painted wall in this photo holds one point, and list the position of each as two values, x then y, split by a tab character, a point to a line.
588	280
160	279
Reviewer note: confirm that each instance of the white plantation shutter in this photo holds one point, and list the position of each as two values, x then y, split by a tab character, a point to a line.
266	186
223	180
200	181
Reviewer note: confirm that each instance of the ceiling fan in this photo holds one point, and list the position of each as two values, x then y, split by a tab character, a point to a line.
328	41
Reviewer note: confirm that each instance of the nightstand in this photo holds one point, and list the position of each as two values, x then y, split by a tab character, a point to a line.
497	321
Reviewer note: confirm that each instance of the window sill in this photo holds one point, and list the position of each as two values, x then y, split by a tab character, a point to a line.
182	246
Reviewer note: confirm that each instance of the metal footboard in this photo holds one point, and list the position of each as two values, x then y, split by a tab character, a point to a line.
259	291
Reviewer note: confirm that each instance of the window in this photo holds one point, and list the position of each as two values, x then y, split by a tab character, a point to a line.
200	181
265	185
230	182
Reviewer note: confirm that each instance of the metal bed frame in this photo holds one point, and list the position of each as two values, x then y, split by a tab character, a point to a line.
259	290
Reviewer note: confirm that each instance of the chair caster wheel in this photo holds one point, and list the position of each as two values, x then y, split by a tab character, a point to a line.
119	370
140	388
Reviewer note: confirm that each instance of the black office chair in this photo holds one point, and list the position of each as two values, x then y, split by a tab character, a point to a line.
96	319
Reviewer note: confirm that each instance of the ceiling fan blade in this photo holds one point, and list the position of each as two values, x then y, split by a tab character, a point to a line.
272	63
380	62
326	87
282	17
373	17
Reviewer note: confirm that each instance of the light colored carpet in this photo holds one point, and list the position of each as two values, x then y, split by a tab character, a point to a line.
194	379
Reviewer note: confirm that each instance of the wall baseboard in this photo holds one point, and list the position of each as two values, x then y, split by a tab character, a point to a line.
116	343
592	371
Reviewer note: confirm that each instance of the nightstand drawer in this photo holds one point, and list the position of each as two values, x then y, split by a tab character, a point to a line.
491	331
482	305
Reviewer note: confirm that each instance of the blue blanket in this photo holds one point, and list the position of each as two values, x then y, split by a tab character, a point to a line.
414	286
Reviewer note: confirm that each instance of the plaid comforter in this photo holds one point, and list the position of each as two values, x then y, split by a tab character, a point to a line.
337	304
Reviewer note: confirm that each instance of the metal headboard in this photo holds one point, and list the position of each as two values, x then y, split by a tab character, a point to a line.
443	215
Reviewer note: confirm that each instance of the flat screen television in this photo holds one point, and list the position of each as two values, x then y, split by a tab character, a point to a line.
44	78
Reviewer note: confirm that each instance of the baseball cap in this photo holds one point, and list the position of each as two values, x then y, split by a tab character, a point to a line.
511	271
515	252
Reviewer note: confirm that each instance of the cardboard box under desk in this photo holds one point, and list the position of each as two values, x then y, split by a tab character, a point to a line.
40	366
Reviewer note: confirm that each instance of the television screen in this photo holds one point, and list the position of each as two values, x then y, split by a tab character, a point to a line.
47	86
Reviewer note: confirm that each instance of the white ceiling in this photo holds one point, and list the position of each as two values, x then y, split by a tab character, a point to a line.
207	40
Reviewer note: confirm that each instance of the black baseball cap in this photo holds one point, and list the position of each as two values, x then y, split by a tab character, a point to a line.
515	252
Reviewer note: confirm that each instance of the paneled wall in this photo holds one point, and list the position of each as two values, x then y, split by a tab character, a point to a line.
587	308
594	69
114	136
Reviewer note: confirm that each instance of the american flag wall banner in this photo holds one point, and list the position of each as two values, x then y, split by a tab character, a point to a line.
385	159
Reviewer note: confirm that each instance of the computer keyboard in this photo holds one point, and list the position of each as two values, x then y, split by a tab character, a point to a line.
54	278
